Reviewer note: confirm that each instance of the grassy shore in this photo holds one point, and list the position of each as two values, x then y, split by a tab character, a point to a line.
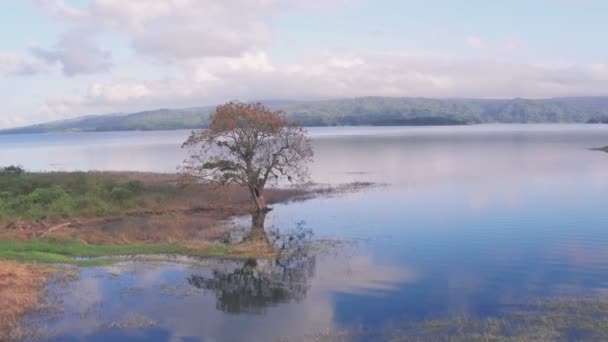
141	212
58	196
74	218
126	209
64	217
75	253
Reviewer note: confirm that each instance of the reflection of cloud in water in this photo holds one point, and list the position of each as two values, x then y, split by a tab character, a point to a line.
79	301
481	169
360	274
195	314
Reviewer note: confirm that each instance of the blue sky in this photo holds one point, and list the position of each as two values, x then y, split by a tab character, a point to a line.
61	59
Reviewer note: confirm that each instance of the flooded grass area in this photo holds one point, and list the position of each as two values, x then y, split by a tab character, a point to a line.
572	319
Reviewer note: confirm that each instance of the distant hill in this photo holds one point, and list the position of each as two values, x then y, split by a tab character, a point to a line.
161	119
373	111
598	120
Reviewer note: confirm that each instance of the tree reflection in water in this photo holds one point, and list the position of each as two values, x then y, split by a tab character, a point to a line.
254	285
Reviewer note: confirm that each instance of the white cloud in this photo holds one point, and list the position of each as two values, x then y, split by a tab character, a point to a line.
118	92
206	69
254	76
208	51
345	63
476	42
511	45
60	9
12	64
180	29
76	54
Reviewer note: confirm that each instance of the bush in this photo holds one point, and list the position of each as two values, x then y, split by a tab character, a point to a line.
78	184
12	170
53	195
135	186
46	196
108	185
120	194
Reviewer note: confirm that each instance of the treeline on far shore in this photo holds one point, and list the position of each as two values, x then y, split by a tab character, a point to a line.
363	111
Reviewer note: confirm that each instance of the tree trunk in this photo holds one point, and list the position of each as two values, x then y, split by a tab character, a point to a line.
262	202
257	227
259	199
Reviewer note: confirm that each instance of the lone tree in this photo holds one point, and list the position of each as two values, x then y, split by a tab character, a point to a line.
250	145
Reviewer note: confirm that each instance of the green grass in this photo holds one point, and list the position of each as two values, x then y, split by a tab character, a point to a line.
68	252
57	195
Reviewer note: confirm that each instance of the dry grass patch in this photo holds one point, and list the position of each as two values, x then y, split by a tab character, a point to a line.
20	288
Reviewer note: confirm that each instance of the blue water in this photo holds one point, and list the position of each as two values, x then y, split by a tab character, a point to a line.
467	220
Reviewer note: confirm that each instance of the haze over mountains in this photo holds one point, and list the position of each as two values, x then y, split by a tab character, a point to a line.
378	111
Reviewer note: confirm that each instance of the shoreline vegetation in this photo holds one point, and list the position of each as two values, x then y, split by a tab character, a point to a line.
96	218
58	217
602	149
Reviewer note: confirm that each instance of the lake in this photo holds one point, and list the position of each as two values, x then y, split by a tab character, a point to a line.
467	220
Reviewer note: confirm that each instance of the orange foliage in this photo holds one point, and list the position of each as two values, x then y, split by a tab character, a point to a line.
235	114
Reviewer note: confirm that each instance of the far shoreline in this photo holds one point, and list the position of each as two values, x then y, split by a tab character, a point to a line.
348	127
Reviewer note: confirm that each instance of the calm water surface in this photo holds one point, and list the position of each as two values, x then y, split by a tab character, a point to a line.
472	220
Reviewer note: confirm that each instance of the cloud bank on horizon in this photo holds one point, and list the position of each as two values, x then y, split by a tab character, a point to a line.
67	58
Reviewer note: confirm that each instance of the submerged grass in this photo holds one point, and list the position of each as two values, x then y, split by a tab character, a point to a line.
573	319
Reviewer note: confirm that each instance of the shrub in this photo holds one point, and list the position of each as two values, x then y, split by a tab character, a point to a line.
108	185
12	170
46	196
120	194
78	184
135	186
53	195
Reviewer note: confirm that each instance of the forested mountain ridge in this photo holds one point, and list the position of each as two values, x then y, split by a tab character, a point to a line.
367	110
358	111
